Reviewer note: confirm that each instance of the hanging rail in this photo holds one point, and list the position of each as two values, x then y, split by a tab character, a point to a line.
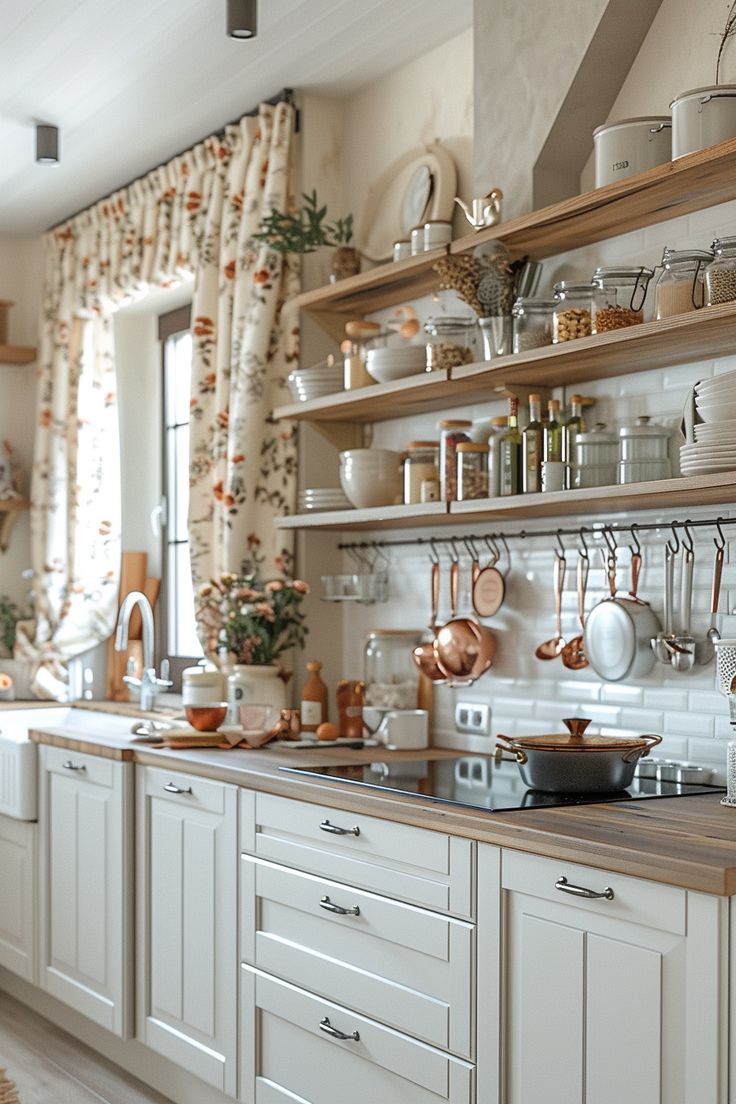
523	534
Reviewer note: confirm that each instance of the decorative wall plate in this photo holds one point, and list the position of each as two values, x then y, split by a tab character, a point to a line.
418	187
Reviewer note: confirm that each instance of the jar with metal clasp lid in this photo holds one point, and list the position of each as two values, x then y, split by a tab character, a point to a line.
532	323
681	284
449	341
720	275
391	679
573	312
619	297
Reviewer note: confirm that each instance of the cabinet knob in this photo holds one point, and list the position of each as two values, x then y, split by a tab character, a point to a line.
330	906
171	787
335	1033
580	891
68	765
337	831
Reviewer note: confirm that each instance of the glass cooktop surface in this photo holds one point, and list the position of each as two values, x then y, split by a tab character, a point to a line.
479	782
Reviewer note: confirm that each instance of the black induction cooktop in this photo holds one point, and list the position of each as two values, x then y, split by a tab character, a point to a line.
479	782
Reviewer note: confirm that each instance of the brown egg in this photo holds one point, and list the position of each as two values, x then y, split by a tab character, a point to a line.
327	731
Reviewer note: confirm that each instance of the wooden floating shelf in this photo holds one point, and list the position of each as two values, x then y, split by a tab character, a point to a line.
18	354
664	494
691	183
698	335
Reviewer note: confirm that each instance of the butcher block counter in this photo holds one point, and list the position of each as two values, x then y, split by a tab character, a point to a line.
682	841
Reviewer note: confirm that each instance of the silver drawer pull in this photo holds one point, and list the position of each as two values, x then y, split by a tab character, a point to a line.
330	906
170	787
337	831
68	765
580	891
326	1026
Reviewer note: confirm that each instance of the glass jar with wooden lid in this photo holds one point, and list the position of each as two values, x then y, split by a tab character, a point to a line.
472	470
421	466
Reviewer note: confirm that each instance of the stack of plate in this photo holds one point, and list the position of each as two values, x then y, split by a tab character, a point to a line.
315	383
318	499
714	448
387	365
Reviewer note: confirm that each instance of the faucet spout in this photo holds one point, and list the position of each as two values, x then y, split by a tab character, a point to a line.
132	599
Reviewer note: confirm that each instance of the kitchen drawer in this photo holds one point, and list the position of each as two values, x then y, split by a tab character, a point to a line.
287	1057
411	864
635	900
74	764
408	967
186	789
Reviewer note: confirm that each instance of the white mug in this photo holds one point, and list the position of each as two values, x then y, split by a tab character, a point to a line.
403	729
417	240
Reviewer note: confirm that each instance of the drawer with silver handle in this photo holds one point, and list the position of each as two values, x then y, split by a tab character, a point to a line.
296	1046
81	766
411	864
407	966
186	789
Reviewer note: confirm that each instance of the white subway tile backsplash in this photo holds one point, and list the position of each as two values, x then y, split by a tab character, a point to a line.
665	699
624	695
705	702
689	724
649	720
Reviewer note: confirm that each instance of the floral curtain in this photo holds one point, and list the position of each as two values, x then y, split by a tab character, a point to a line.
191	217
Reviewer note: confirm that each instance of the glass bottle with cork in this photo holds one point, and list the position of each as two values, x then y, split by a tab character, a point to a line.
314	701
532	445
573	425
510	452
499	425
553	432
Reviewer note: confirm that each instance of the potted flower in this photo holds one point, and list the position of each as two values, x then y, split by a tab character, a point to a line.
252	624
305	231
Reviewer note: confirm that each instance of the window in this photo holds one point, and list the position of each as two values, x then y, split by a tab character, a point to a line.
180	636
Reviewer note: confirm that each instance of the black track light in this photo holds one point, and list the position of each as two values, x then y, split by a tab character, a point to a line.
242	18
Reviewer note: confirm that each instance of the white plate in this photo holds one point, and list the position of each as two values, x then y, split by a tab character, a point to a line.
716	383
713	413
708	467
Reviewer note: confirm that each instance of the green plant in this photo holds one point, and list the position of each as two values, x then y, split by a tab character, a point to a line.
256	622
10	615
305	230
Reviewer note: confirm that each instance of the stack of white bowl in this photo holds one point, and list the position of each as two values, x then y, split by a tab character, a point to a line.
371	477
315	383
316	499
394	363
714	447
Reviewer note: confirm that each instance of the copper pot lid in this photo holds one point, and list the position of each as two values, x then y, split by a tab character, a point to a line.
575	740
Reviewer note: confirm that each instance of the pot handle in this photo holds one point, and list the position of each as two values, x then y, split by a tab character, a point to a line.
633	754
505	743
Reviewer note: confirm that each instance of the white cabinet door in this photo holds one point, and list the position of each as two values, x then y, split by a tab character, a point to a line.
18	927
85	884
187	859
601	1007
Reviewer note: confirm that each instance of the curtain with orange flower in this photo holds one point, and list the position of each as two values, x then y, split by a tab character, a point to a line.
193	217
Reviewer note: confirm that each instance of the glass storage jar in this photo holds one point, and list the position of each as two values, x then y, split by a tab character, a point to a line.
449	341
453	431
596	456
532	323
643	452
421	465
391	679
680	287
720	275
472	470
619	297
573	311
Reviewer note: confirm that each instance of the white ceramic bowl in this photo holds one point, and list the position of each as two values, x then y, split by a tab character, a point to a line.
371	477
716	411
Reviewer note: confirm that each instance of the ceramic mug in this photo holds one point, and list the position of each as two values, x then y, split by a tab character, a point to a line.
402	249
403	729
417	240
437	234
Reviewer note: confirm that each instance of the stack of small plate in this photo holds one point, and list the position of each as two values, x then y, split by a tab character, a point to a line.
318	499
714	448
387	365
314	383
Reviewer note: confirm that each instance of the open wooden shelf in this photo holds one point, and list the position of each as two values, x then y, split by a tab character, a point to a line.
695	490
9	511
691	183
18	354
698	335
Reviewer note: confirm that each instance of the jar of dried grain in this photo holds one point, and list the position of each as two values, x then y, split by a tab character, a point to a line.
680	287
472	471
532	322
619	297
573	311
449	341
720	275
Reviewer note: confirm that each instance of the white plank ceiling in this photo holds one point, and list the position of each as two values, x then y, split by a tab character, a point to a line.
132	82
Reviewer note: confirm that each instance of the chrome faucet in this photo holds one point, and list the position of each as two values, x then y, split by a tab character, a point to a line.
149	684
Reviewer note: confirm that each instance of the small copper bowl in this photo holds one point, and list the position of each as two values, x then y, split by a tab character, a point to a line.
206	718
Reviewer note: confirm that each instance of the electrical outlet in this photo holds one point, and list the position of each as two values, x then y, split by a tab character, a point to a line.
473	717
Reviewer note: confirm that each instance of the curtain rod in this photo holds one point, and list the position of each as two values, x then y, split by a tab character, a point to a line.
555	534
286	95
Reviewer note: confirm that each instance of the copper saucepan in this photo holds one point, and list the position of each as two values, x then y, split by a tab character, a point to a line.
464	649
423	654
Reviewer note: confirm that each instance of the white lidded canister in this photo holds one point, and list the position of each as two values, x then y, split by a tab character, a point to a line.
630	146
202	686
703	117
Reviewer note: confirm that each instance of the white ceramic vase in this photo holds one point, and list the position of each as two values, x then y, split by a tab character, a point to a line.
252	684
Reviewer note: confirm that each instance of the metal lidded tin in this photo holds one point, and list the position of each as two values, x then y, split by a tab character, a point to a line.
630	146
703	117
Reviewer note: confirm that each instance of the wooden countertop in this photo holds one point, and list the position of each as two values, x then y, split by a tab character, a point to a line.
685	841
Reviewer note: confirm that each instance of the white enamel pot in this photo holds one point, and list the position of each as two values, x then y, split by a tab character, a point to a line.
619	631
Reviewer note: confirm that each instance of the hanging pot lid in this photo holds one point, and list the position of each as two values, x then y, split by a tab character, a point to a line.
575	740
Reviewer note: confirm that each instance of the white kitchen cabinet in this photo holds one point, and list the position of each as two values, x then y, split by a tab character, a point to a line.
85	897
187	864
18	927
610	998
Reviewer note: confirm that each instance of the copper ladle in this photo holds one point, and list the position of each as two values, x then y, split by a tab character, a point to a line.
552	648
424	654
463	648
573	654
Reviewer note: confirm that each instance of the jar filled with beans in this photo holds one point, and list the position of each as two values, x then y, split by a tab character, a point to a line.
453	432
449	342
720	275
619	297
532	321
472	471
573	311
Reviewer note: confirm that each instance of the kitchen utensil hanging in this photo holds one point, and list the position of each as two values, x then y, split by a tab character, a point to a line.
550	649
705	650
463	648
489	585
573	654
683	655
424	654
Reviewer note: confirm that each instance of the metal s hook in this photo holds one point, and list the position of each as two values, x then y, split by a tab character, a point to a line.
719	543
610	539
470	547
560	545
583	550
455	555
634	548
676	548
490	543
688	540
434	555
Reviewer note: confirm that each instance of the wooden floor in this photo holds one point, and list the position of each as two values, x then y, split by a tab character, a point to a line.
50	1067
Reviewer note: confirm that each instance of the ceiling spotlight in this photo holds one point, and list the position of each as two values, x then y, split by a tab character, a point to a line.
47	144
242	18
